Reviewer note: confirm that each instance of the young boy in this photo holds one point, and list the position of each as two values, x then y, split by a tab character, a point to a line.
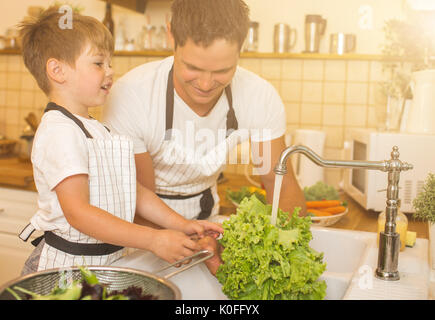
85	176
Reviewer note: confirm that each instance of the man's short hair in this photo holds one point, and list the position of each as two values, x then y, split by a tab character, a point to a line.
43	38
204	21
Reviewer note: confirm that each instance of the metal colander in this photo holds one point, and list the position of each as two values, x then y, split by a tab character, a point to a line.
115	278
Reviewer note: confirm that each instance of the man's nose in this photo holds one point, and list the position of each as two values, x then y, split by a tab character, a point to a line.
205	81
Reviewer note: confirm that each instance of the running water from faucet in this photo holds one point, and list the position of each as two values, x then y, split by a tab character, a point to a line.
276	194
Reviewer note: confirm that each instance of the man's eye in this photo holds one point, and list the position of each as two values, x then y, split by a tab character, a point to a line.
100	64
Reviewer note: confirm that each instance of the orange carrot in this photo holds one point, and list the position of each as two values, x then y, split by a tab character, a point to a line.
319	213
335	210
323	203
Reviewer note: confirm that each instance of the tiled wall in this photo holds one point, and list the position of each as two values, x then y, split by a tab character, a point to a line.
332	95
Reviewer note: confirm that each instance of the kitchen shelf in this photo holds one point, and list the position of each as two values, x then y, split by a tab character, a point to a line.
248	55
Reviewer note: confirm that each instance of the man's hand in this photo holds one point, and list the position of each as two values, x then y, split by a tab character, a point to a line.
210	243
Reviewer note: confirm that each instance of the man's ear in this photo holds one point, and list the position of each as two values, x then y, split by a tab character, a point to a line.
55	70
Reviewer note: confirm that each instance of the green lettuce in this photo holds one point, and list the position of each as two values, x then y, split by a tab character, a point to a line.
267	262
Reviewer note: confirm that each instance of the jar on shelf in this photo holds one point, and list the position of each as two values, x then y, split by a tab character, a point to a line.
401	227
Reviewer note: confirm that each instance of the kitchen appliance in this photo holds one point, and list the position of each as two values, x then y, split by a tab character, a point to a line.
307	172
341	43
368	187
315	27
251	41
421	116
284	38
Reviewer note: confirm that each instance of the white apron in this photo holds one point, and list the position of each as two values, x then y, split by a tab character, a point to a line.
112	187
188	185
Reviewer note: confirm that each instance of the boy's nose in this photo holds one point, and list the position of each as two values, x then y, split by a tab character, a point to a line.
109	71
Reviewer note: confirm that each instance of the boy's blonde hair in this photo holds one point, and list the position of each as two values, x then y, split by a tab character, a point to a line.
43	38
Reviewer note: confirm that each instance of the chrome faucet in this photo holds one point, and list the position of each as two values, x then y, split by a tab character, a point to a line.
389	239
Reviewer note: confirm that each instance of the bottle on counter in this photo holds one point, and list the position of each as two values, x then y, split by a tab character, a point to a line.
108	19
401	227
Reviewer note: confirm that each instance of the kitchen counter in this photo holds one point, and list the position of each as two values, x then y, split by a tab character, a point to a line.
16	173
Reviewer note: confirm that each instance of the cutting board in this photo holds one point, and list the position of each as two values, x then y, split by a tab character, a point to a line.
16	172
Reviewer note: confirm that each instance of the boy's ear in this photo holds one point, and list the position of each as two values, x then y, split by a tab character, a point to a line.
55	70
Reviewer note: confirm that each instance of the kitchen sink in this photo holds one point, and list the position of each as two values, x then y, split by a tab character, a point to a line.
343	252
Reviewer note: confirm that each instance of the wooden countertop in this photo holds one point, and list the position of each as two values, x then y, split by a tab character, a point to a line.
16	173
357	218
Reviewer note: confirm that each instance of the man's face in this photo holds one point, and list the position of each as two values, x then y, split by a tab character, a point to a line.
200	74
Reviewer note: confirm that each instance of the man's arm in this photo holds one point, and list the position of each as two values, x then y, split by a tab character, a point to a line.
145	176
266	158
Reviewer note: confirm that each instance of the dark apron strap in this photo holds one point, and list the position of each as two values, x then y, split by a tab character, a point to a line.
54	106
232	123
78	249
206	202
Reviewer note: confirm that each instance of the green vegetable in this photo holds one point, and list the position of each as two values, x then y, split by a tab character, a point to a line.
71	293
320	191
424	203
263	261
89	288
242	193
88	276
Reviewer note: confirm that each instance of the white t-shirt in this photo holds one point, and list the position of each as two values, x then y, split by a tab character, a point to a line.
59	151
137	107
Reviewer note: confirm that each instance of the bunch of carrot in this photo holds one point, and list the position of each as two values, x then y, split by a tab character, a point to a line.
325	207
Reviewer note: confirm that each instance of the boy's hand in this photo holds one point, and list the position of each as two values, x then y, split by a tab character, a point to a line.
202	228
171	245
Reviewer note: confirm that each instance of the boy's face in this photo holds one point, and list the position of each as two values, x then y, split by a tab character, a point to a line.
201	73
91	79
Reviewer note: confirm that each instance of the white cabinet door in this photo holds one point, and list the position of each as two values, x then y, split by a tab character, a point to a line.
13	253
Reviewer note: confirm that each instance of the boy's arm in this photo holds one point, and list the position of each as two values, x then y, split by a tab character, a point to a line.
73	195
291	194
150	207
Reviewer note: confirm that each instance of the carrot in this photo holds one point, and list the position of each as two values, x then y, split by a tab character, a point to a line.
335	210
323	203
319	213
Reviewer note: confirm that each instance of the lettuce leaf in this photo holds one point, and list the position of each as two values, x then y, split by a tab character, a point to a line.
266	262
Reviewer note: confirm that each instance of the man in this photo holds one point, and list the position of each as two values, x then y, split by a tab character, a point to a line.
186	112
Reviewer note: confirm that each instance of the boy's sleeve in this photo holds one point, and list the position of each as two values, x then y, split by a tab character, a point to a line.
60	151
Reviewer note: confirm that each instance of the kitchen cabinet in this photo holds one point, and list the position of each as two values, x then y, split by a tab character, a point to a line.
16	209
